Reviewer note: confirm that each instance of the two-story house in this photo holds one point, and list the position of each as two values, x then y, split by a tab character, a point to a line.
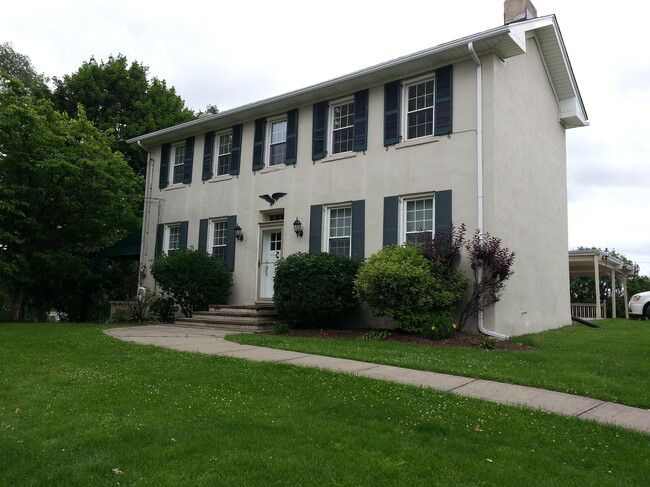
470	131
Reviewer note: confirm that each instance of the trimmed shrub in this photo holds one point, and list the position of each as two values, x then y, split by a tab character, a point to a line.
399	282
193	278
163	308
315	290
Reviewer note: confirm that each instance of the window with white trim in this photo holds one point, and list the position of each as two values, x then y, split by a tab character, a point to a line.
178	163
218	239
419	104
172	238
418	216
339	230
341	127
223	151
277	137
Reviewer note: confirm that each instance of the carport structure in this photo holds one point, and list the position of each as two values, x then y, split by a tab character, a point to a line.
594	263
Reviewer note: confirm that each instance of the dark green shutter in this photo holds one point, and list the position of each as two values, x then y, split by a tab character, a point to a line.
444	85
160	237
391	112
319	128
315	228
391	220
292	136
208	145
230	243
443	210
358	229
187	162
360	121
258	144
182	244
235	154
203	235
164	166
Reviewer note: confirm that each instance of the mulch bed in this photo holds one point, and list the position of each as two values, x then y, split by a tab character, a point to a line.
465	340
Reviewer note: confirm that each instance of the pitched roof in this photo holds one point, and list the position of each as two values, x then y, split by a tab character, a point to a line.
504	41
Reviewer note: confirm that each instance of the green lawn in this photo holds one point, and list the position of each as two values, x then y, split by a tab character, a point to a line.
76	404
612	363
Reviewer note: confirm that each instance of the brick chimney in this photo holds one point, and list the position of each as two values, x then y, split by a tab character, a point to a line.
516	10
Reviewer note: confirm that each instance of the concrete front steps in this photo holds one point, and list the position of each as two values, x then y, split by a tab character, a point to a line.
260	317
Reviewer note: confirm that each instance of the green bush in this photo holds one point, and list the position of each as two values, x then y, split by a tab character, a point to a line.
315	290
193	278
162	308
400	283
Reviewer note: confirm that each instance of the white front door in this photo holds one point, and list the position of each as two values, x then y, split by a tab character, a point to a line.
271	252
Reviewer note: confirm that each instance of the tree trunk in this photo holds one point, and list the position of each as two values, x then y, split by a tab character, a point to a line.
17	310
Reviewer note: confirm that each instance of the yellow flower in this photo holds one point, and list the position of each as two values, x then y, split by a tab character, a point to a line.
433	327
454	325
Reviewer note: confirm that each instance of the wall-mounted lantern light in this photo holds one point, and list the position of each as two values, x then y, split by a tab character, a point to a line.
606	253
297	227
238	234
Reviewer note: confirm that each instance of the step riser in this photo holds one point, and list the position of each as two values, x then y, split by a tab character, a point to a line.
222	326
235	319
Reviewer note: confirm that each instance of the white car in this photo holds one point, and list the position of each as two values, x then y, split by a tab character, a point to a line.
640	305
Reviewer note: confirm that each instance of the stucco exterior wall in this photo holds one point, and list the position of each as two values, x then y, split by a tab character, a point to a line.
524	183
526	192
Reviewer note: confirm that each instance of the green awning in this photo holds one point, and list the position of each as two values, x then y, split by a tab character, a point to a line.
127	248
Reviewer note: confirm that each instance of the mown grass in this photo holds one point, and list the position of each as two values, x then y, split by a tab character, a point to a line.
612	363
76	404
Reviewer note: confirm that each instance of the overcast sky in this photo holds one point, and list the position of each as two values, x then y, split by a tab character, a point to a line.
235	52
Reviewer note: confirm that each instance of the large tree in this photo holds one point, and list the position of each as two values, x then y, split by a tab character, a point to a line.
119	97
19	67
65	195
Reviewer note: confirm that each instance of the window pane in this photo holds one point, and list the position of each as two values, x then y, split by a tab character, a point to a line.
342	127
219	238
278	154
174	238
420	110
340	229
419	218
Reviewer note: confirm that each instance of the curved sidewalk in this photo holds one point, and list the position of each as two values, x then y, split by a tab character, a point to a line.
211	342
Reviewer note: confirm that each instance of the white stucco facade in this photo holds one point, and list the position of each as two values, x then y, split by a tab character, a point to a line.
524	116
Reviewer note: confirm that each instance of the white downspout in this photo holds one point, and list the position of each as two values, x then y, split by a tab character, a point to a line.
479	175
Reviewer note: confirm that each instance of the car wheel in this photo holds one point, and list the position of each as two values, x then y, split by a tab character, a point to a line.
646	311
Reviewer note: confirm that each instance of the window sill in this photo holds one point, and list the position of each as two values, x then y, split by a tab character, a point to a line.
338	157
172	187
216	179
277	167
420	141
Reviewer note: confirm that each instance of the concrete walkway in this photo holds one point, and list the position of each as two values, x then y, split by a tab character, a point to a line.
212	342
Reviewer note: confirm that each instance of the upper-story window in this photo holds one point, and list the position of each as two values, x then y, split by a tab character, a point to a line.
419	108
342	129
178	163
277	142
224	151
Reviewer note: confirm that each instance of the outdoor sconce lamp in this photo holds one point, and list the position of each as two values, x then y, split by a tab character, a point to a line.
238	234
297	227
605	253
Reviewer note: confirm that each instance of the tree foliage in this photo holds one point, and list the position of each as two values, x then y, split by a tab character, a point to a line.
193	278
19	67
64	194
492	266
119	97
315	289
